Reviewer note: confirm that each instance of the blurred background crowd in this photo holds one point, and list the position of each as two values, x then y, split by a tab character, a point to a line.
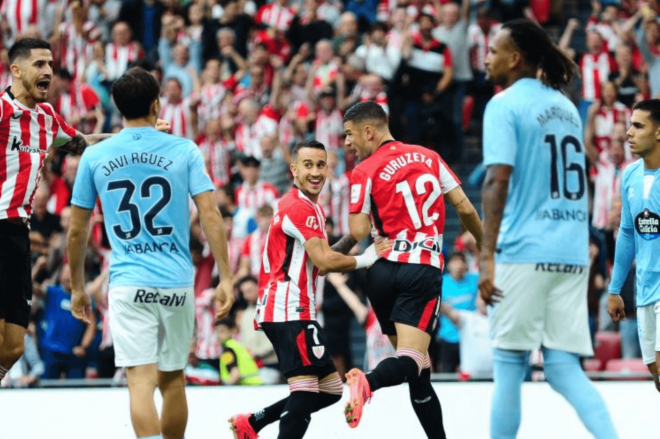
246	80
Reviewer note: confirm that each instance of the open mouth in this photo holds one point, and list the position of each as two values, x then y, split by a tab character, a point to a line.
43	85
315	182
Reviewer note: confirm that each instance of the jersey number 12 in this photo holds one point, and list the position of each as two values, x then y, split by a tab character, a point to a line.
420	188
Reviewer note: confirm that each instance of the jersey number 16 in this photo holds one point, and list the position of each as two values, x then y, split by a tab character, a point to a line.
577	168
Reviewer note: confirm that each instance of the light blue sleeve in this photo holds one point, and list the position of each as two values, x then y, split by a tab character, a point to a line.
198	179
84	189
499	138
625	245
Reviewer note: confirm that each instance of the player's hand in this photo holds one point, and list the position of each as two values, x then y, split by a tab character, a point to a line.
337	279
81	306
162	126
224	298
573	23
487	289
79	351
615	308
382	245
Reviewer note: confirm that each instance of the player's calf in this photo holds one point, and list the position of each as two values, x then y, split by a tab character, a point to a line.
300	405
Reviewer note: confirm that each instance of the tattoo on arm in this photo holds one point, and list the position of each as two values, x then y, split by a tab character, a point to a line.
76	145
344	245
95	138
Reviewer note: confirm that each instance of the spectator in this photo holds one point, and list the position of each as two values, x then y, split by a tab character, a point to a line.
335	195
275	160
254	192
253	247
176	109
380	58
459	289
79	104
625	78
217	147
42	220
277	15
184	63
237	367
648	41
254	123
145	17
308	27
603	115
207	349
233	19
329	126
29	368
121	51
480	34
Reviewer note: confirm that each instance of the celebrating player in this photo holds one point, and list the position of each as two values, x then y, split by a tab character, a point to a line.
28	127
144	179
640	207
534	259
296	251
398	188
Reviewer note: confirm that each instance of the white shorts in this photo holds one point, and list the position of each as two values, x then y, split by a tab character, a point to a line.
648	327
152	325
543	305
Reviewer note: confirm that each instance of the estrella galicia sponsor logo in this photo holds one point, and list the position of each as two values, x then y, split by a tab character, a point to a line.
405	246
647	224
141	296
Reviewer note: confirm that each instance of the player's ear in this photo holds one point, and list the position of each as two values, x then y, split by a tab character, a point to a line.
155	107
515	60
292	166
15	69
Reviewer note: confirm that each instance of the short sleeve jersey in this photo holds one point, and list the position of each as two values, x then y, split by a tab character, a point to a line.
25	136
288	278
401	188
144	179
537	130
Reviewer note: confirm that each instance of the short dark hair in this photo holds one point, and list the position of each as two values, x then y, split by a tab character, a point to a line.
63	73
379	25
307	144
266	210
367	111
650	105
23	48
245	280
458	255
134	92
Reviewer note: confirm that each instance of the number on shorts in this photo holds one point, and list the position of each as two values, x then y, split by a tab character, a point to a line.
420	187
126	205
315	334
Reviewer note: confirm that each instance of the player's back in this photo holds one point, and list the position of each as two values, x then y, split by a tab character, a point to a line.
144	179
538	131
401	186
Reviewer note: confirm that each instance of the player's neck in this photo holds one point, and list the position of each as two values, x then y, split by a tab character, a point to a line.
149	121
652	160
519	75
21	95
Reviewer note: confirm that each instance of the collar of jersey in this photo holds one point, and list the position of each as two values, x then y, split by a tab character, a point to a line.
18	103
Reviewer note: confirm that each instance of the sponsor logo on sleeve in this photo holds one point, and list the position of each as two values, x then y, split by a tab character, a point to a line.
355	193
312	223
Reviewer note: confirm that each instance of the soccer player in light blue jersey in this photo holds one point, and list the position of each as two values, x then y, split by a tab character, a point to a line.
639	231
534	258
144	179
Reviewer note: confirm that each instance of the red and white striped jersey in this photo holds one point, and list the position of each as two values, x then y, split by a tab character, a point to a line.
25	136
380	99
607	186
378	344
117	58
325	73
77	104
595	68
218	154
401	186
210	100
329	129
5	78
178	114
234	246
288	278
300	111
274	15
604	125
254	197
207	346
18	15
478	43
606	31
334	198
253	249
74	48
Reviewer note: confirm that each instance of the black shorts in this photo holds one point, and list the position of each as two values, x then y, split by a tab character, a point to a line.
15	274
405	293
300	347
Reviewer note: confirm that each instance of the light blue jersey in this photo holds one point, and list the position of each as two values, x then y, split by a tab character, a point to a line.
537	130
639	233
144	179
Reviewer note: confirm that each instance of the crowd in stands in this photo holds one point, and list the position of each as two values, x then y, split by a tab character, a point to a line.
246	80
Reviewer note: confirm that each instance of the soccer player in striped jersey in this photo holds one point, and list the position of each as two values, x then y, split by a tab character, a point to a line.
28	127
297	250
144	179
639	231
397	189
534	255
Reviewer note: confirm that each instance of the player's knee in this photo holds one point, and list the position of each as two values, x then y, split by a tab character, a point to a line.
301	405
414	360
332	387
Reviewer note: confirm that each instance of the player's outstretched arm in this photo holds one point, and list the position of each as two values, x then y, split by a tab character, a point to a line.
360	227
327	260
214	230
493	197
466	211
76	247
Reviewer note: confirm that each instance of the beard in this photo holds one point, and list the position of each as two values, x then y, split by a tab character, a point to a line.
34	92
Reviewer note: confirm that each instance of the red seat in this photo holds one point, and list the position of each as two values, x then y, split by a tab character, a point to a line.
608	347
627	365
593	365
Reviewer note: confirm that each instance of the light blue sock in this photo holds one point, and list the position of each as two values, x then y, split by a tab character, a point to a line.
509	369
563	372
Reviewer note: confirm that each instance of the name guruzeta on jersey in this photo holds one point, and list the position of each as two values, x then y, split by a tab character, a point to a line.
137	158
402	161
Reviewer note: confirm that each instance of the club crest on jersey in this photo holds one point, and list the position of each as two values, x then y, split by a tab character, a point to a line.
318	351
312	223
647	225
